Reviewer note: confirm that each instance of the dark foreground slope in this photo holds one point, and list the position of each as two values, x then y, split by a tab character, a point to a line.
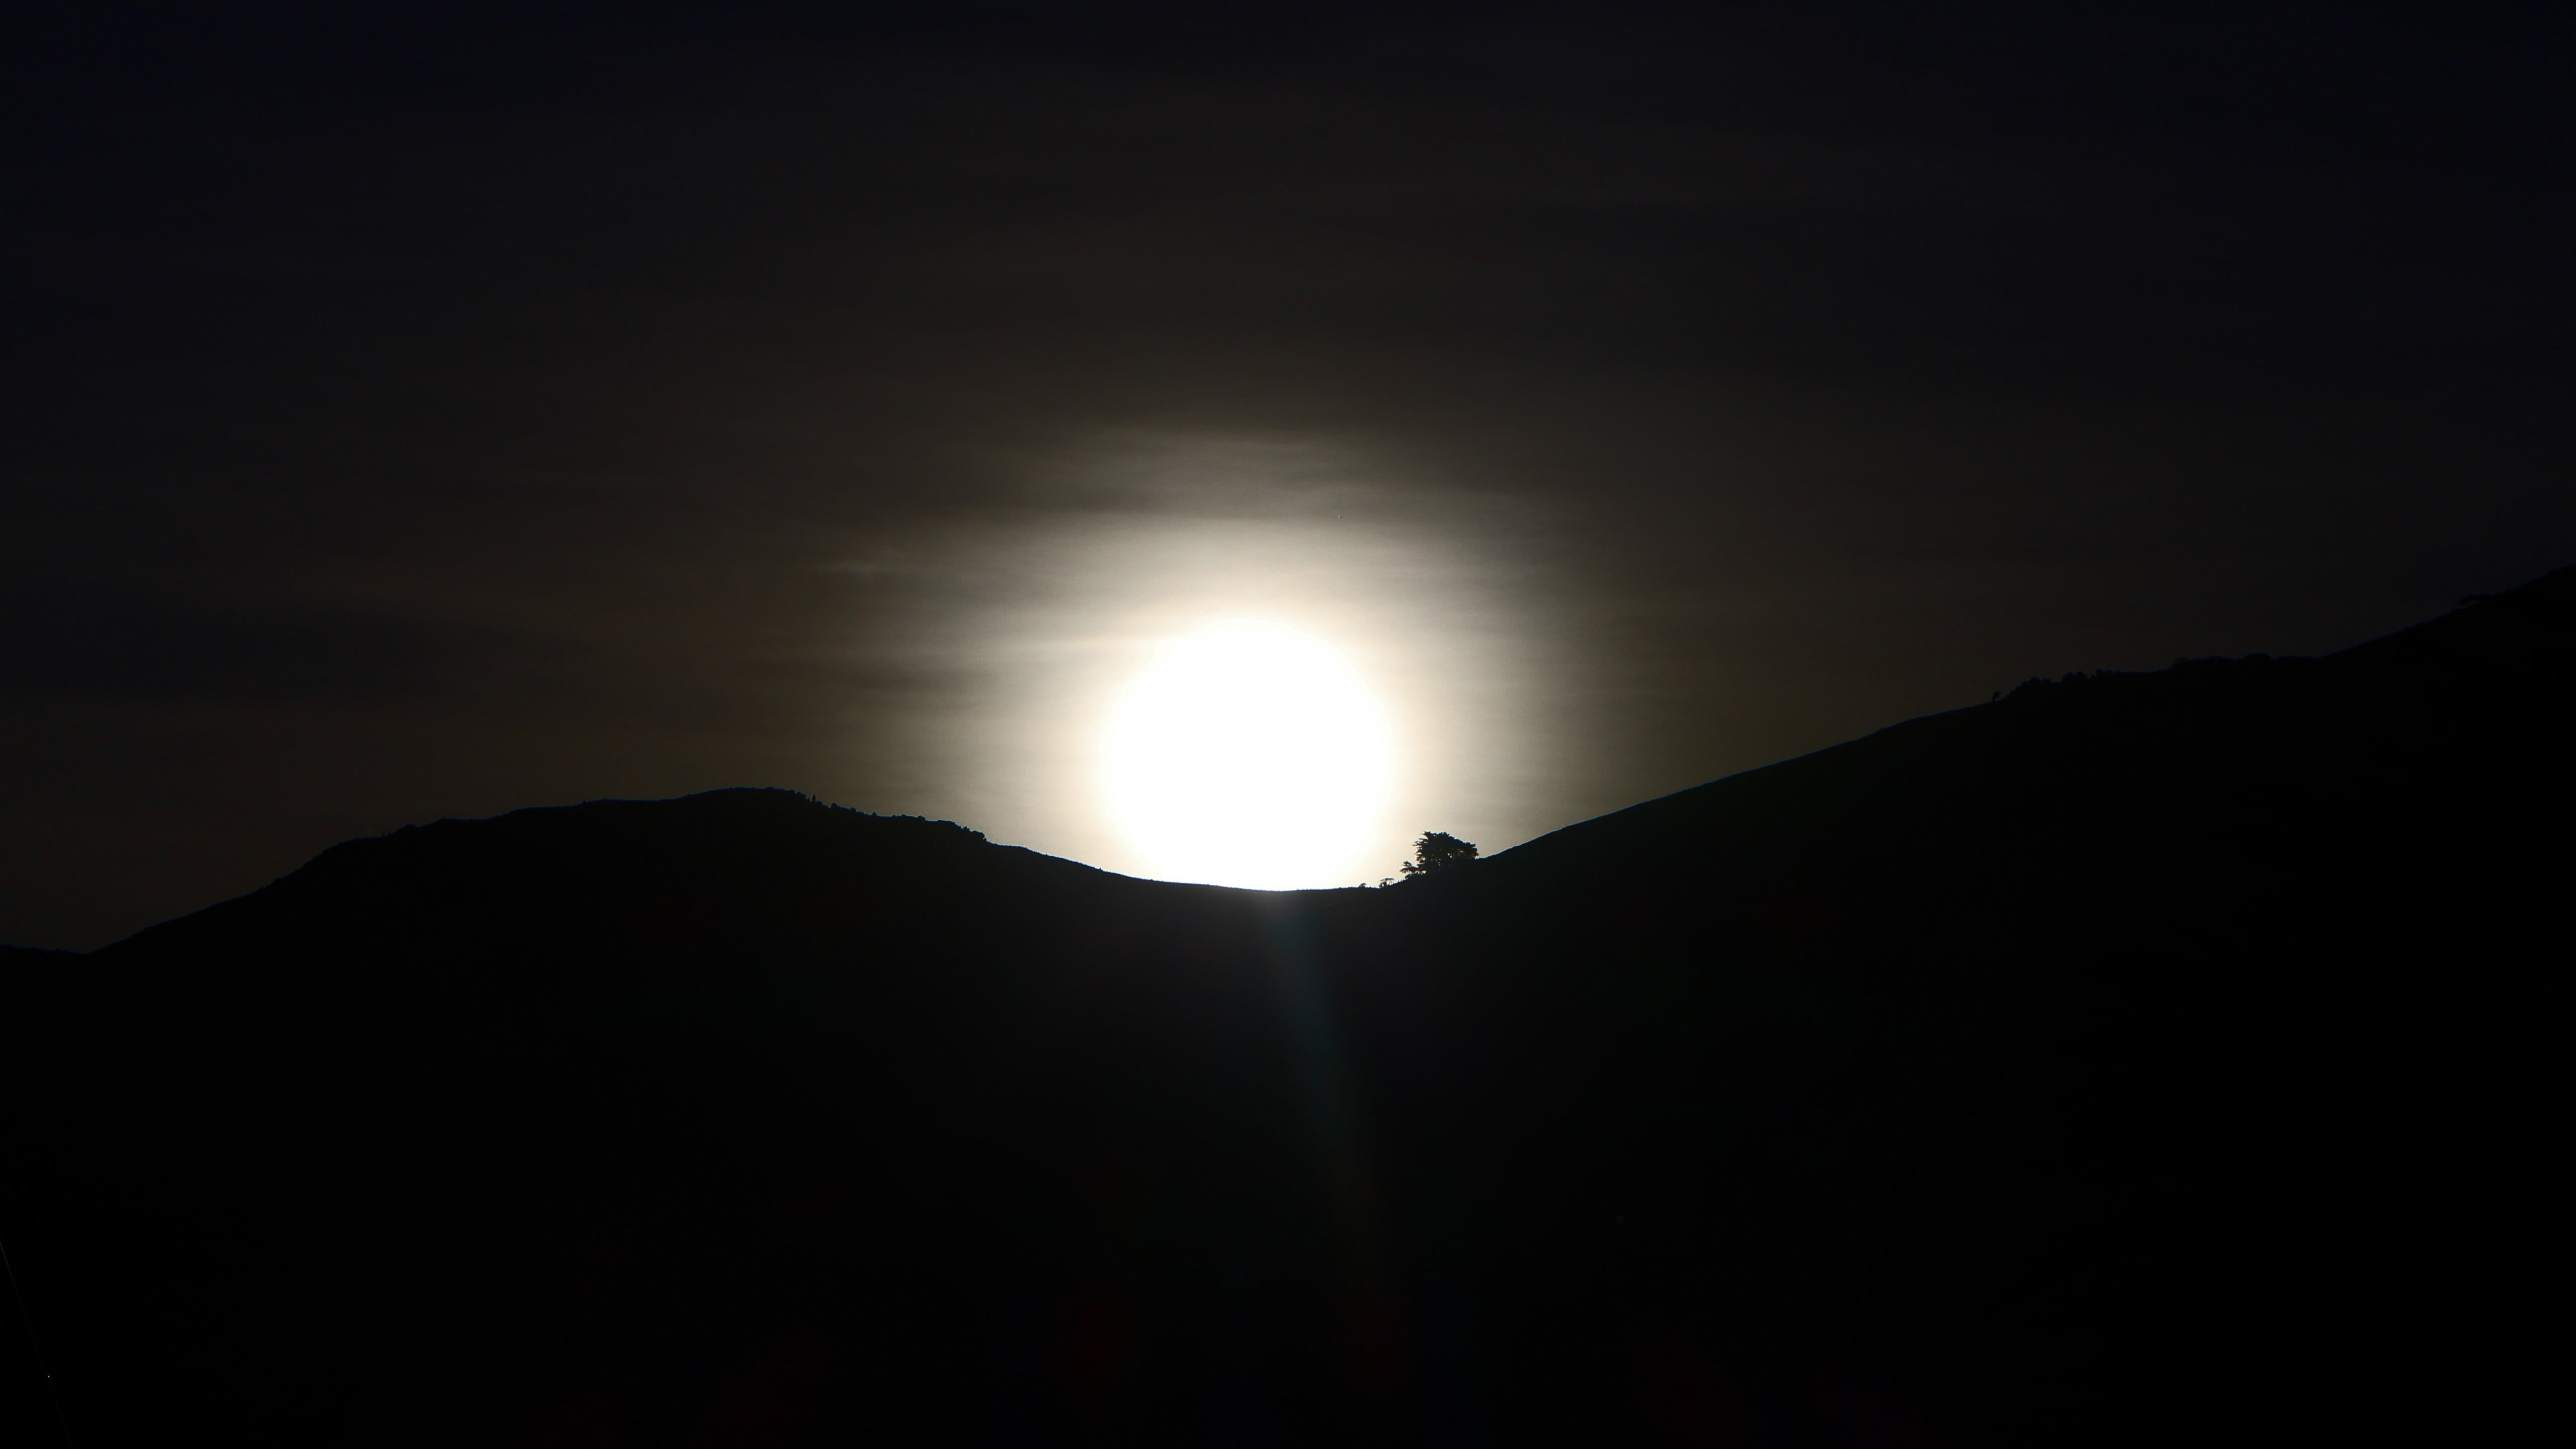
2141	1059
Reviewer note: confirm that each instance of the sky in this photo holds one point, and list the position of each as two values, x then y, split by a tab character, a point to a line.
433	410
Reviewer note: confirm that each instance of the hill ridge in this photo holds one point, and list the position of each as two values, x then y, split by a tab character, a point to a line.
2142	1053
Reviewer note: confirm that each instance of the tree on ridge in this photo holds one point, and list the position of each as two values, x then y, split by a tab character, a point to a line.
1438	851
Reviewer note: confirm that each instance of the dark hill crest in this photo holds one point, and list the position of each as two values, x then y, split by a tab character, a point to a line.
2141	1058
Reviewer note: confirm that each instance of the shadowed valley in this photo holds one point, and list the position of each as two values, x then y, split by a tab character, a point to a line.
2138	1059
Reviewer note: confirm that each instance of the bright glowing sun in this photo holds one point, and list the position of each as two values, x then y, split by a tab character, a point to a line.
1248	754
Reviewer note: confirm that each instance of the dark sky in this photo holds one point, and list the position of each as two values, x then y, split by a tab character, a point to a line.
419	410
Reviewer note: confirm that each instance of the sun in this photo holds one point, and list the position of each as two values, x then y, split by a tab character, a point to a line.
1248	754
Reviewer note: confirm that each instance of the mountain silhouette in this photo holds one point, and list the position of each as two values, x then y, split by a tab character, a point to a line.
2138	1059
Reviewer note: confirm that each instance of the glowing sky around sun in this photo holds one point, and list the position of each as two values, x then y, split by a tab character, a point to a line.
1257	661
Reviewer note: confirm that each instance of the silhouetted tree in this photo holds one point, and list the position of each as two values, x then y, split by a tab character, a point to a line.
1438	851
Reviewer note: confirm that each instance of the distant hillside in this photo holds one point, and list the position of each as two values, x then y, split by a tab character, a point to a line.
2140	1059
